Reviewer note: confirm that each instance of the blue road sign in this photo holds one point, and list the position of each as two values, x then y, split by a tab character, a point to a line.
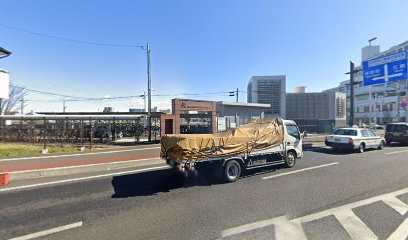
389	68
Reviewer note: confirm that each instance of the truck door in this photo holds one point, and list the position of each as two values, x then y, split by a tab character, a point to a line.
293	138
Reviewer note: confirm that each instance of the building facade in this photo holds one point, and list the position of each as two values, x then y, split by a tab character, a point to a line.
317	112
379	103
269	90
235	114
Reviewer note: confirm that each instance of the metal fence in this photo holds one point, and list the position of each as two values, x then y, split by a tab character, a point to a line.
78	130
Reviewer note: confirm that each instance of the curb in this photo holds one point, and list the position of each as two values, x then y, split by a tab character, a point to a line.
50	172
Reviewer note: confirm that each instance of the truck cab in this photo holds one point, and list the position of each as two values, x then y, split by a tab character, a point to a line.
293	138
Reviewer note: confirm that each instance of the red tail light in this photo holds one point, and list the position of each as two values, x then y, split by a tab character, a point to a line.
350	141
187	166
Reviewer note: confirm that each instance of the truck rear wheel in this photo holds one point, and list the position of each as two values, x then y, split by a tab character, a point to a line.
290	159
232	171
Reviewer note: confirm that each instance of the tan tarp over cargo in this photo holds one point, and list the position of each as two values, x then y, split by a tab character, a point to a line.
248	138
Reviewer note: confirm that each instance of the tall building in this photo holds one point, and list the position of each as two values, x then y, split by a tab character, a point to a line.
379	103
269	90
317	112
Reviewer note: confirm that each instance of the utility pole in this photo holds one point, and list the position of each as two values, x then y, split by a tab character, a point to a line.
144	99
406	100
63	106
351	93
398	101
149	91
22	106
352	83
231	94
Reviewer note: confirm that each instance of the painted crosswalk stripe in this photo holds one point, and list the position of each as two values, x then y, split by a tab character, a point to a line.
401	232
396	204
247	227
284	229
354	226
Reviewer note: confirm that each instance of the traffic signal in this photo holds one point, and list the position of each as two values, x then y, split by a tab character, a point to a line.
231	94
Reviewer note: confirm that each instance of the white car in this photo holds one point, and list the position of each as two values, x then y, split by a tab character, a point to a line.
354	139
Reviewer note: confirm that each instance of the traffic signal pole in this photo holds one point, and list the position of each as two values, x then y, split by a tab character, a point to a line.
351	93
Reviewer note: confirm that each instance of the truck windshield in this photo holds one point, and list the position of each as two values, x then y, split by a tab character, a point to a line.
347	132
293	131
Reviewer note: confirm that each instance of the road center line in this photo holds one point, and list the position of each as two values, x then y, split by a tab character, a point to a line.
48	232
82	178
76	155
300	170
389	153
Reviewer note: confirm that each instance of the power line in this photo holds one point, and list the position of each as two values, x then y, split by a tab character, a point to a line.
82	99
69	39
46	93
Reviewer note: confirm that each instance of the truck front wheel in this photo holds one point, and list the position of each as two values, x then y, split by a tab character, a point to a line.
232	171
290	159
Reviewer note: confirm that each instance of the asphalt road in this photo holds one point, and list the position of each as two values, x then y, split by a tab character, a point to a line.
335	196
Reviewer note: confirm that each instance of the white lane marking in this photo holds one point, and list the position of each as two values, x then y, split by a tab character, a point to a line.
82	178
353	225
397	204
360	203
247	227
76	155
85	165
401	232
388	153
48	232
300	170
284	229
344	214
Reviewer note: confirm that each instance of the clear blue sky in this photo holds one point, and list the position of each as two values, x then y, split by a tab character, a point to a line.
197	46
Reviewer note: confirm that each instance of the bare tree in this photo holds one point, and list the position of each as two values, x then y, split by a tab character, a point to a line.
11	104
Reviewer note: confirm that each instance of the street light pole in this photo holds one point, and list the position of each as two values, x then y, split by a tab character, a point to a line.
406	99
398	101
149	91
351	93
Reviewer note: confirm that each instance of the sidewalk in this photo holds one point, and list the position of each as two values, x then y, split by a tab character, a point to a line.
63	164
